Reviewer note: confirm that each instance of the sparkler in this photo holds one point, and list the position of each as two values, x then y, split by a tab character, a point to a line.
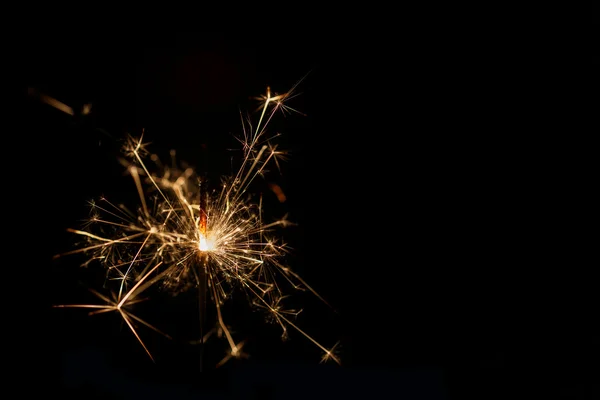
185	236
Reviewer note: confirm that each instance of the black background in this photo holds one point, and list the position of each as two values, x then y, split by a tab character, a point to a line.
401	178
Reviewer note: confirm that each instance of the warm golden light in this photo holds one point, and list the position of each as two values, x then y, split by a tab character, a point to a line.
205	243
177	218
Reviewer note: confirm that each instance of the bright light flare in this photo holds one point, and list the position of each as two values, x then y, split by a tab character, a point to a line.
177	218
205	242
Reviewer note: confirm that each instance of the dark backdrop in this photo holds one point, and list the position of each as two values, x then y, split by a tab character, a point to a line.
400	178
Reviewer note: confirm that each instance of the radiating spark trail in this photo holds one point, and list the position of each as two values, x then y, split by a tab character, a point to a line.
119	307
51	101
213	241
